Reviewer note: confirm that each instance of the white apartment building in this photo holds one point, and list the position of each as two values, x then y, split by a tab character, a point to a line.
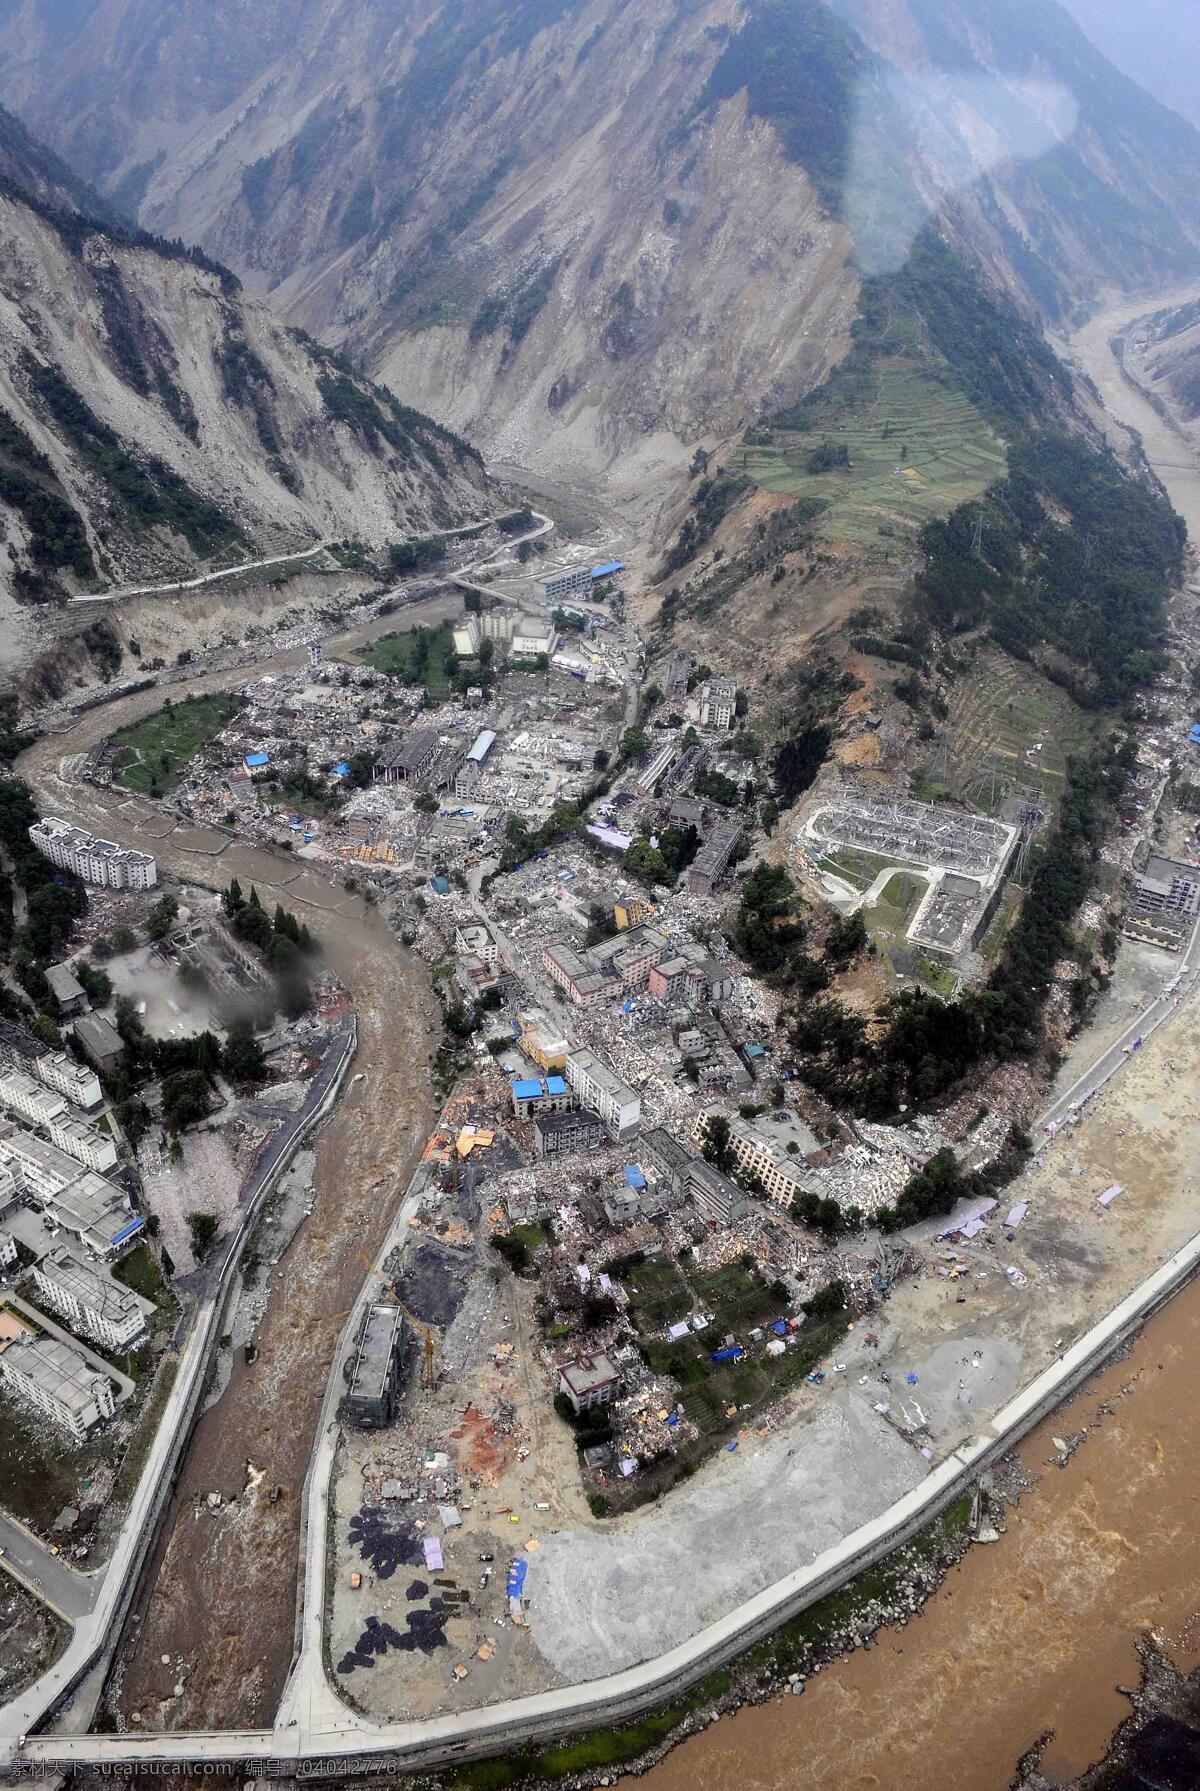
95	1150
466	636
716	703
8	1250
104	1310
32	1100
43	1107
603	1092
41	1169
757	1153
58	1381
97	861
80	1085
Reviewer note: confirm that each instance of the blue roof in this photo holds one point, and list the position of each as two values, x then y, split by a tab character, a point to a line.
609	567
254	759
756	1050
440	885
555	1085
633	1176
527	1088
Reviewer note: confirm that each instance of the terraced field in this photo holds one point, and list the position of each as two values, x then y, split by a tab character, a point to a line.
1010	729
917	448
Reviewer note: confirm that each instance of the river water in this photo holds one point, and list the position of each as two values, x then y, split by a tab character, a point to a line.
1034	1634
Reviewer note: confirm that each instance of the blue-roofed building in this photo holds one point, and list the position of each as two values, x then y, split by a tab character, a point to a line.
254	761
440	886
607	570
540	1094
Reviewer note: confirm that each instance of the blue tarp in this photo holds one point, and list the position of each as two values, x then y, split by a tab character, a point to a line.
341	770
734	1353
1194	731
633	1176
518	1567
779	1328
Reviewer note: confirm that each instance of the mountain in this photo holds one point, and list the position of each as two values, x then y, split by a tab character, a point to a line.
1157	42
592	234
1163	354
152	417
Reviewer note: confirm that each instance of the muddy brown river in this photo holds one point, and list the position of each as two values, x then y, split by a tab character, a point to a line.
1034	1634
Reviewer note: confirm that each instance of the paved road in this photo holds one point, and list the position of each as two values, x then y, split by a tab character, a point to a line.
1181	983
51	1578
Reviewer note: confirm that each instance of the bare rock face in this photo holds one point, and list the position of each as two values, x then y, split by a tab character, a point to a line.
153	418
592	234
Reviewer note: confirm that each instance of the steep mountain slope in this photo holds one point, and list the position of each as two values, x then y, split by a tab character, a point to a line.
592	233
1157	42
151	416
1163	354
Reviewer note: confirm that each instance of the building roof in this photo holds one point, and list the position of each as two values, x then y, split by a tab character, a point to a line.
98	1034
482	747
254	761
64	984
527	1088
555	1085
56	1368
588	1373
373	1360
94	1291
608	568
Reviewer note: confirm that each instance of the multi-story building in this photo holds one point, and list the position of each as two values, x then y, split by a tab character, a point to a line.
616	966
532	636
32	1100
497	625
476	938
540	1094
41	1106
586	983
603	1092
559	1134
718	1200
466	636
761	1148
95	860
59	1382
375	1370
575	583
80	1085
541	1041
716	703
712	860
8	1251
410	759
589	1381
99	1041
67	990
111	1314
42	1169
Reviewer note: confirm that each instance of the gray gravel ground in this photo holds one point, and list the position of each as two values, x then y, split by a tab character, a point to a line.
603	1601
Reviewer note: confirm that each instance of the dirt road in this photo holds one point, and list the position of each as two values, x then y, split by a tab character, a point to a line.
219	1597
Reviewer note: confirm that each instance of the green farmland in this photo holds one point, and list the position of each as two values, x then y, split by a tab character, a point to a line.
917	449
152	756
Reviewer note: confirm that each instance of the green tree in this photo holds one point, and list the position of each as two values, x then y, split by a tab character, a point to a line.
162	917
202	1229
